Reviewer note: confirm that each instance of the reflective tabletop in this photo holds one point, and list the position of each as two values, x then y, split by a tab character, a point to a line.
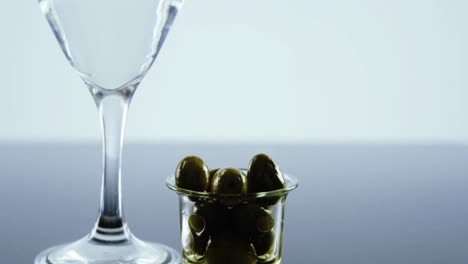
359	204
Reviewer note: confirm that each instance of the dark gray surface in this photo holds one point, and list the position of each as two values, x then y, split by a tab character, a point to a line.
360	204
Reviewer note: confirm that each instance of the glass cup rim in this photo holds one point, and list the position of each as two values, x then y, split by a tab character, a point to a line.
290	181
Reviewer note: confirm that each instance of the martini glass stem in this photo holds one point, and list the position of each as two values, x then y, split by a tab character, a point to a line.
112	106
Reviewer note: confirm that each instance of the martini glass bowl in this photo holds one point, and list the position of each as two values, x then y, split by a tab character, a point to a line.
112	45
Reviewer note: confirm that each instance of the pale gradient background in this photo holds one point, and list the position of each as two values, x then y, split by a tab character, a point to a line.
263	70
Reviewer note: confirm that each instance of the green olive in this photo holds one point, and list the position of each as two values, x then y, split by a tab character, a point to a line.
198	245
197	224
251	218
229	248
264	223
213	172
228	181
192	174
264	175
214	215
263	243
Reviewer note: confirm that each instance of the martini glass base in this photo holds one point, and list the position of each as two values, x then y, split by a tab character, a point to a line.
89	251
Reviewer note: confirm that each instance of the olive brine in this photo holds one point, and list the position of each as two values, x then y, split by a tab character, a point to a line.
231	229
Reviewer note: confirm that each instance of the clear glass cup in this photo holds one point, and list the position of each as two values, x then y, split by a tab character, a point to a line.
232	229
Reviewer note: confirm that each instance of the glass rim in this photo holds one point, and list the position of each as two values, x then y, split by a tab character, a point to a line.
291	184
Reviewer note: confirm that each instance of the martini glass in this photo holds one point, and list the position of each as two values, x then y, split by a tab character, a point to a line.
111	44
